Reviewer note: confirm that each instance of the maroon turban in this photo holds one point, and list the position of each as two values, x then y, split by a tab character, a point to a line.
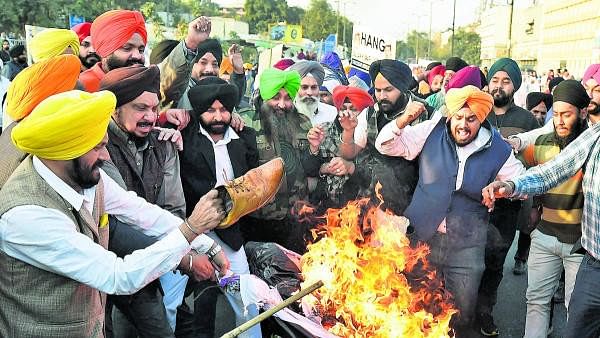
283	64
111	30
360	98
127	83
469	75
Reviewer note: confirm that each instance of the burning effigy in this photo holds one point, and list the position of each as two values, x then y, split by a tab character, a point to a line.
375	283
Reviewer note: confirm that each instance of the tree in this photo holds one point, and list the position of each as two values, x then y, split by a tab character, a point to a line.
295	15
261	13
467	46
319	20
206	8
408	49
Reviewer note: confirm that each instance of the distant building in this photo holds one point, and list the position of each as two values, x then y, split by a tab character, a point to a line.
548	34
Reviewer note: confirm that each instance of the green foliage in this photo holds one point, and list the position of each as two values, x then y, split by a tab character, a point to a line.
295	15
320	20
261	13
467	45
206	8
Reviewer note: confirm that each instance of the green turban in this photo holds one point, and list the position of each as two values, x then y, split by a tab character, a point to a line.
510	67
272	80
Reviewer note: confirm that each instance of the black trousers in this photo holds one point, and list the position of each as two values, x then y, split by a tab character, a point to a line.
144	309
501	233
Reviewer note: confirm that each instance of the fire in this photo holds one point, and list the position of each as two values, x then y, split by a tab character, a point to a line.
375	284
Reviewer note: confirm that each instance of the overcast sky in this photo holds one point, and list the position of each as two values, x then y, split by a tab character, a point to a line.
397	17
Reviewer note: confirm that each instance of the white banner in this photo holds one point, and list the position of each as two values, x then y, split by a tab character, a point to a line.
368	46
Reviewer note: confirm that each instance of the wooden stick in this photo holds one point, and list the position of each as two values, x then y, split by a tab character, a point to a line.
247	325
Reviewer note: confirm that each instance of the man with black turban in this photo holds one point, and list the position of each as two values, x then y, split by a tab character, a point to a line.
17	64
392	81
504	78
143	163
214	154
539	104
453	65
307	101
560	227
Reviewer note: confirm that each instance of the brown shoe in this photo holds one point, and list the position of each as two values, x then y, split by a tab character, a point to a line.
251	191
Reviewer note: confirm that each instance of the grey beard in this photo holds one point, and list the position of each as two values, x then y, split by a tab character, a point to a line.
307	105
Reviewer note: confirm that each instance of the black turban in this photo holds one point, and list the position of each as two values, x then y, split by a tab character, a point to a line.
396	72
571	91
210	89
212	46
15	51
534	98
433	65
455	63
127	83
162	50
554	82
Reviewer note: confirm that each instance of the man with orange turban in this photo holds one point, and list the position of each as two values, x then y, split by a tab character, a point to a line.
87	53
26	91
119	38
340	178
458	156
54	229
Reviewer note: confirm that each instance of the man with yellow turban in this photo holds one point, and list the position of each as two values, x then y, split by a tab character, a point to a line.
281	132
54	228
458	156
53	42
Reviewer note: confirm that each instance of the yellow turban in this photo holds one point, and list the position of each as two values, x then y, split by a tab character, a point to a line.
479	102
66	125
52	42
39	81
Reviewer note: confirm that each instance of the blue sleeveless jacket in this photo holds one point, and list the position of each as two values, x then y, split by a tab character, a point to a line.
436	197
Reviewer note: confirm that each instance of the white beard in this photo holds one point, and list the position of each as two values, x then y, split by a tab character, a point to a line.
307	105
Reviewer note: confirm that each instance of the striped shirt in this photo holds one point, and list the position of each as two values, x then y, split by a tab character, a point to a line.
563	204
582	153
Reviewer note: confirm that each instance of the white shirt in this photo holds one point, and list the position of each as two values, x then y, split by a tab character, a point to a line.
46	238
409	142
223	167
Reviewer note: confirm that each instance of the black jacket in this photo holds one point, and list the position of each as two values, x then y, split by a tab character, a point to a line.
198	170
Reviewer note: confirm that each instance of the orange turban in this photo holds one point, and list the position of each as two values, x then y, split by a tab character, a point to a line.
39	81
360	98
479	102
226	67
111	30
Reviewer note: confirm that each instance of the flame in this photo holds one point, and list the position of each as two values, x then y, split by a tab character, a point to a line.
375	284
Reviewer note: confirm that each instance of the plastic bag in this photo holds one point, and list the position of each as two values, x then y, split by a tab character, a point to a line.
276	265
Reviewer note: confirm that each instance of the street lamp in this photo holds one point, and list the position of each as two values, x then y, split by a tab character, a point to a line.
453	21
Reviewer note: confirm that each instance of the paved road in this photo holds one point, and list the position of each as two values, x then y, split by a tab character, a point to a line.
510	311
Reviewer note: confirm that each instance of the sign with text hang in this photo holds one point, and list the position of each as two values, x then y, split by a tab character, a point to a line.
368	46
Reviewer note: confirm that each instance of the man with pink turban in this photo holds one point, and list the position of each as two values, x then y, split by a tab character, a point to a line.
458	156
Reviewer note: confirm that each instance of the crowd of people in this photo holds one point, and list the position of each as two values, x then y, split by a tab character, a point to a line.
112	223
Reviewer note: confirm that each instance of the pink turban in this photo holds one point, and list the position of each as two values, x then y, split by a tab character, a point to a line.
592	72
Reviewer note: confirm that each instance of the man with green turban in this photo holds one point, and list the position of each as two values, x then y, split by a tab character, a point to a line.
504	79
281	132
